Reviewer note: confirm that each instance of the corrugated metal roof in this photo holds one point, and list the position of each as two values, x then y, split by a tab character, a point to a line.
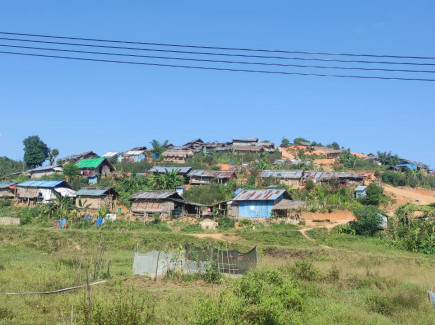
152	195
4	185
360	188
211	173
320	176
89	191
133	153
90	163
43	184
110	154
292	174
259	195
163	169
43	168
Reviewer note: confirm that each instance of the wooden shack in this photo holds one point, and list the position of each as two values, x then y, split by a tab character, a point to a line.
39	172
205	177
7	190
97	198
94	166
163	203
287	177
42	191
177	156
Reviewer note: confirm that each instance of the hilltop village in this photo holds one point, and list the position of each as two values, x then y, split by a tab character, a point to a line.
243	178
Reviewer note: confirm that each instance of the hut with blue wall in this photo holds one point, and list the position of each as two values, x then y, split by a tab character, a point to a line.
257	203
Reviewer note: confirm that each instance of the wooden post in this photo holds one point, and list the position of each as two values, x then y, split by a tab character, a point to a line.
89	297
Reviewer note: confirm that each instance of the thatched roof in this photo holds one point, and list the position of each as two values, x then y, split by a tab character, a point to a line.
178	153
289	205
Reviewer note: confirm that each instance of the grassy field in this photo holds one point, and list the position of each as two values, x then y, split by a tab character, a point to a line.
339	279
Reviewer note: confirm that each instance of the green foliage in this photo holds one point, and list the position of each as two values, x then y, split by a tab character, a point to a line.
225	223
35	151
374	195
122	307
167	181
388	159
325	197
305	270
71	170
52	155
131	166
209	194
259	297
192	228
409	178
368	220
299	141
159	147
334	145
9	166
285	142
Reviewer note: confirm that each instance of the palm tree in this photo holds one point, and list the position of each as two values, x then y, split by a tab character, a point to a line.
52	155
158	147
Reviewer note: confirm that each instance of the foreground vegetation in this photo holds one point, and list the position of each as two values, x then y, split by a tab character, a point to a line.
352	280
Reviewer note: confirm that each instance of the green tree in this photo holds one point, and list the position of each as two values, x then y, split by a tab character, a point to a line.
53	155
71	170
374	195
300	141
158	147
35	151
368	219
9	166
167	181
334	145
285	142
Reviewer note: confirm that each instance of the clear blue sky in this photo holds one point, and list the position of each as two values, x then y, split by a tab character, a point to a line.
80	106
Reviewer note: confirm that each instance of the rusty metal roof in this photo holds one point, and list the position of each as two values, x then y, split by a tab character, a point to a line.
211	173
259	195
154	195
320	176
286	174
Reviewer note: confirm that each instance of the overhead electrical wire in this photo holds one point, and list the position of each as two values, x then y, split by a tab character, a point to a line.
219	69
216	61
225	48
222	54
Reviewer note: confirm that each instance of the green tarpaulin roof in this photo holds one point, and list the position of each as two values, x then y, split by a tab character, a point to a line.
90	163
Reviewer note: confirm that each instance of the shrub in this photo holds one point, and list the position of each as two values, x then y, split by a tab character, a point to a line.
374	195
305	270
368	220
225	223
258	297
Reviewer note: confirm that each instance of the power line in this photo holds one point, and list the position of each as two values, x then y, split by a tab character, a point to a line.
216	61
225	48
220	54
219	69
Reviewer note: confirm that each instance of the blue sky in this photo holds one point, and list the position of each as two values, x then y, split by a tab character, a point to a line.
80	106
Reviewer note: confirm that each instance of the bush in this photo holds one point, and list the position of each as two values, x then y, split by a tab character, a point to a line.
374	195
259	297
305	270
225	223
368	220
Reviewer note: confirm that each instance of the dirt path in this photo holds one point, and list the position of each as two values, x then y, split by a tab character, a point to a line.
404	195
304	233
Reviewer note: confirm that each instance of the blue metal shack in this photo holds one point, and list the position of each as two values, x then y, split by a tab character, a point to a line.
258	203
